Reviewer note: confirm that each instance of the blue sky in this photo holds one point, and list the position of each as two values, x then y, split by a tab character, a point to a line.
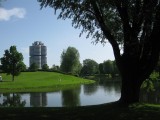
22	22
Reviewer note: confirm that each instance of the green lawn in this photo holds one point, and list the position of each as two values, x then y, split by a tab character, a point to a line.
40	82
110	111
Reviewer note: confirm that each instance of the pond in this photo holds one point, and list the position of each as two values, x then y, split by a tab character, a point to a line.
90	94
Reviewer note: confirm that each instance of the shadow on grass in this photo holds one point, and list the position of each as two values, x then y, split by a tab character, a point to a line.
6	81
109	111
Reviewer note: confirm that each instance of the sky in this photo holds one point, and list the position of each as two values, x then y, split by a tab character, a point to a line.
22	22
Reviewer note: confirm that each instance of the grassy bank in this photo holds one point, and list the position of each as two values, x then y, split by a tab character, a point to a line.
110	111
107	78
40	82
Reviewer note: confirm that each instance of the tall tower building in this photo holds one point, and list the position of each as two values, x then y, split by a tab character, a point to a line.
38	53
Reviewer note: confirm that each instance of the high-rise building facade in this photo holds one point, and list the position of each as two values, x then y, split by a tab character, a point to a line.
38	53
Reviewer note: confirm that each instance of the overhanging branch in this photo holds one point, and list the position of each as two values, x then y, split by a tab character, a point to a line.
106	31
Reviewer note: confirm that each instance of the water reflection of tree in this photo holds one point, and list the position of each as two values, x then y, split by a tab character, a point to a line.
112	86
71	98
38	99
90	89
108	84
13	100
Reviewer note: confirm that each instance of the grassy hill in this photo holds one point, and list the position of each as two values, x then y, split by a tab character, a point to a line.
40	82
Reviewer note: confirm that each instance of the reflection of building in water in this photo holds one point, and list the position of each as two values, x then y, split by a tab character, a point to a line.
38	52
38	99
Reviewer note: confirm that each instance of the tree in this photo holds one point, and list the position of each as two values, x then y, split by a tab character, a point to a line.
12	62
108	67
55	68
0	68
101	70
45	67
90	67
33	67
22	66
130	26
70	60
157	68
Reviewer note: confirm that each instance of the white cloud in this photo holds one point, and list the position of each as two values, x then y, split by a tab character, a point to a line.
6	15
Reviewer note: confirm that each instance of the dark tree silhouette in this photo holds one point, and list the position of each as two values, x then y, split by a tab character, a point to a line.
131	27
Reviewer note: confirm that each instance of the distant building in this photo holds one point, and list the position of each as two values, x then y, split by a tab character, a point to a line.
38	53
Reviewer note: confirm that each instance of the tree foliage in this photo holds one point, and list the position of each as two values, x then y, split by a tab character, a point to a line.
45	67
108	67
131	23
70	60
90	67
130	26
33	67
12	62
83	16
101	70
55	68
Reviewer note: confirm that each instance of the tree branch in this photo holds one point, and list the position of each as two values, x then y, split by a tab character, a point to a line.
122	6
153	43
138	17
106	31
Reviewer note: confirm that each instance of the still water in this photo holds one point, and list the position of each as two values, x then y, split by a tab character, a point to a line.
83	95
91	94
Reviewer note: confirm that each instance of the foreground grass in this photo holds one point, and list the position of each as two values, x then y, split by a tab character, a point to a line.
110	111
40	82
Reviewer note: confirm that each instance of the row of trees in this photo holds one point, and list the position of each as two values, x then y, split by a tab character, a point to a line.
34	67
12	63
70	63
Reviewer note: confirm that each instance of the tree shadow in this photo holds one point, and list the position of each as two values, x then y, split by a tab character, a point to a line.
6	81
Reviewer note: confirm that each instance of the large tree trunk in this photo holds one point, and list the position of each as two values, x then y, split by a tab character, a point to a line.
140	44
130	90
131	80
133	74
